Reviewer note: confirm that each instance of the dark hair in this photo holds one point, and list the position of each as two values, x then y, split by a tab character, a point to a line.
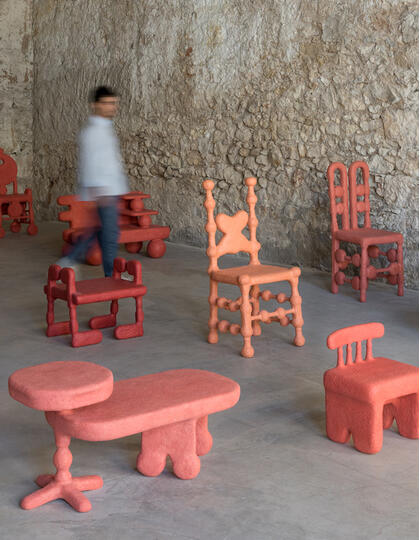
100	92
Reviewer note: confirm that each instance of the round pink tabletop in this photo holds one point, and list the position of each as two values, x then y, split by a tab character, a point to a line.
60	386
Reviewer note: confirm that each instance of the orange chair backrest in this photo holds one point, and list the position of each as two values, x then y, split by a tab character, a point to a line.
231	227
8	172
354	334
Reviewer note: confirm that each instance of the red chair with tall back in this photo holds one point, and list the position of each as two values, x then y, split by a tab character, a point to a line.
364	236
14	206
248	278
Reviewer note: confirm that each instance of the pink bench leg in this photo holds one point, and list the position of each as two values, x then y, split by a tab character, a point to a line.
62	485
204	438
176	440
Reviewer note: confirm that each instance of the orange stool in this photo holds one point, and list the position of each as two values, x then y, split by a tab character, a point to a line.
362	397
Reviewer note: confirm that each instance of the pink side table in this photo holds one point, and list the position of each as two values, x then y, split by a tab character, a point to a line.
61	386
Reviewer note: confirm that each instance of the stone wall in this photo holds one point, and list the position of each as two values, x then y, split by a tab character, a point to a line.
16	85
229	88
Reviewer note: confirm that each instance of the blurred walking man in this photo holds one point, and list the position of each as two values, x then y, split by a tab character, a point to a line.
101	179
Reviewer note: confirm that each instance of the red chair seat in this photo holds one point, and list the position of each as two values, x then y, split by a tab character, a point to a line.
368	236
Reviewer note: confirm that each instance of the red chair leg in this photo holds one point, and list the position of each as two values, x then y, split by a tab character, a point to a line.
364	262
105	321
126	331
401	268
337	420
80	339
335	245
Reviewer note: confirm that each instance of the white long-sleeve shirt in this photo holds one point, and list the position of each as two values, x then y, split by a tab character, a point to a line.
100	169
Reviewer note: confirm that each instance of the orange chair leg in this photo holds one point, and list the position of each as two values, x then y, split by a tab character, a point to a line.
255	295
246	326
297	320
213	336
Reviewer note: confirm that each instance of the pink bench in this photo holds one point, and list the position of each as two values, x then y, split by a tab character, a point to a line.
80	400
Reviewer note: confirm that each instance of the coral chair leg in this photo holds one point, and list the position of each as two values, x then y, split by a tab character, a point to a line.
337	421
213	336
297	319
176	440
105	321
80	339
204	438
334	266
401	268
255	295
246	311
367	426
407	416
126	331
364	261
62	485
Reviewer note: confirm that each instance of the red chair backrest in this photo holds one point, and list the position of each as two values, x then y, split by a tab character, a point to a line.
361	191
339	197
8	173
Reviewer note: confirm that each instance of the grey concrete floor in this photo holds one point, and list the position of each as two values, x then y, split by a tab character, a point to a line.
271	474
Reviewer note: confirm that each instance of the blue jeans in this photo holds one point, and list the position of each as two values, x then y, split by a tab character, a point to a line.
107	236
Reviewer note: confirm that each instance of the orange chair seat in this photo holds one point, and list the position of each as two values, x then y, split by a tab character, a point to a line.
380	379
258	273
367	236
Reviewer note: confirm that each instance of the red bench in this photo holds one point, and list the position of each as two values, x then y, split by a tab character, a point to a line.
170	409
62	285
135	225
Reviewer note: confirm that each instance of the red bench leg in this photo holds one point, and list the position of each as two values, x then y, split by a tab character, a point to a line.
125	331
176	440
62	485
204	438
105	321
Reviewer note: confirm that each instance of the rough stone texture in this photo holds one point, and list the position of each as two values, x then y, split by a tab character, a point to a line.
229	88
16	85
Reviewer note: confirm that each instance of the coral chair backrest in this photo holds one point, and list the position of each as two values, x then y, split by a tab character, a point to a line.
8	173
354	334
361	192
233	240
339	196
80	215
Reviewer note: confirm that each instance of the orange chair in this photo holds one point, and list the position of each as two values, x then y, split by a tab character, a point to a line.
362	397
364	236
247	278
14	206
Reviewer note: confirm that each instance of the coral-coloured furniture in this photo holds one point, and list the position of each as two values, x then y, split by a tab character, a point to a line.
89	291
135	225
14	206
364	395
364	235
80	400
247	278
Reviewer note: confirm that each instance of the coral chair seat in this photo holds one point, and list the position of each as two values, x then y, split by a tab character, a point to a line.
90	291
248	277
365	236
257	274
364	396
81	400
14	206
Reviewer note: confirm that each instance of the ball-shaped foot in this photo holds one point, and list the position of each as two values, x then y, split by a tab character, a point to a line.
213	337
32	229
299	341
156	248
133	247
94	257
187	467
247	351
15	226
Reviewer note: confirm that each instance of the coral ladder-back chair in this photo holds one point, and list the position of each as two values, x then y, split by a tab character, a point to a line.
14	206
364	395
248	278
364	236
